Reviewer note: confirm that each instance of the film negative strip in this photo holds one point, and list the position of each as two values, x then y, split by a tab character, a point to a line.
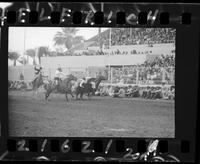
131	70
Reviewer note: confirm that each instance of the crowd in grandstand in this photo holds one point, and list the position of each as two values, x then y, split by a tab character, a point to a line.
130	36
114	52
150	72
158	92
133	36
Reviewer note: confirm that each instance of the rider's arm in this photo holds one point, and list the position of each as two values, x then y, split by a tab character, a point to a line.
62	73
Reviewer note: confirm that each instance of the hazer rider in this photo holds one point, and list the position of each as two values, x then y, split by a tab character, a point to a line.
37	72
84	81
59	75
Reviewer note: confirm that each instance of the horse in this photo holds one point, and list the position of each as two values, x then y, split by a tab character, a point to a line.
87	87
64	86
37	83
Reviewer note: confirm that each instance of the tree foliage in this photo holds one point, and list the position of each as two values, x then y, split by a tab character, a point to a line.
32	54
43	51
13	56
67	37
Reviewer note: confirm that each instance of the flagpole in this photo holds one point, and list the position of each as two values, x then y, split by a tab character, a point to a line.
24	48
100	48
109	56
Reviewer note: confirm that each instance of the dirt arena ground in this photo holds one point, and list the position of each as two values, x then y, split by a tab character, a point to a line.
98	117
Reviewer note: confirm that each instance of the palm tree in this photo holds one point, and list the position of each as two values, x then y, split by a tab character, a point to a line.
67	37
23	60
13	56
78	40
31	53
43	50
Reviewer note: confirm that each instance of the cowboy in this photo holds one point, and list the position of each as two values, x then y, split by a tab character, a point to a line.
59	75
38	71
83	81
129	91
21	77
164	91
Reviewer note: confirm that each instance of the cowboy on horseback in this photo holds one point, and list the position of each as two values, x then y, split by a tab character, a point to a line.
38	72
84	81
91	85
59	75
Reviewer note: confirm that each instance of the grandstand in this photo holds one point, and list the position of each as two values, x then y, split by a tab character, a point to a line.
134	36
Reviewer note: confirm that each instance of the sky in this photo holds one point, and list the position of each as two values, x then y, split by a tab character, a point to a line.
21	38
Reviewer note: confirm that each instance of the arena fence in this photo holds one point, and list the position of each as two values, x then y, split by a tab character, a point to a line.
115	75
141	75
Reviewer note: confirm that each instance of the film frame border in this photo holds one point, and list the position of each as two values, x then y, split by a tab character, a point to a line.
112	26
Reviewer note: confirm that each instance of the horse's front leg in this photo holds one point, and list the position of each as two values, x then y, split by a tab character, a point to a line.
76	96
66	96
81	96
88	95
71	94
36	92
47	94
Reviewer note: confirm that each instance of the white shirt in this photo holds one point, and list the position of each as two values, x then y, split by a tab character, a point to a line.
59	74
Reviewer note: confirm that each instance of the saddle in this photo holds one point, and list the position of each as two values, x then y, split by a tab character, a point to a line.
57	81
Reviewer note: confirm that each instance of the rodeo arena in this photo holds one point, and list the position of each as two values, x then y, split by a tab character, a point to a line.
91	82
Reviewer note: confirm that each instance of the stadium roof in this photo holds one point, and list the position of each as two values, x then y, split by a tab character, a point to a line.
82	46
89	42
94	38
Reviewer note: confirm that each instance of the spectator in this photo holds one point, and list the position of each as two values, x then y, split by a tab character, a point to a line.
21	77
135	91
164	91
116	91
129	91
156	94
171	94
103	91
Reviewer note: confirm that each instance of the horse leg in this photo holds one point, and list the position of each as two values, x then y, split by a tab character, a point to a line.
47	94
89	96
81	96
71	94
66	96
35	93
77	95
